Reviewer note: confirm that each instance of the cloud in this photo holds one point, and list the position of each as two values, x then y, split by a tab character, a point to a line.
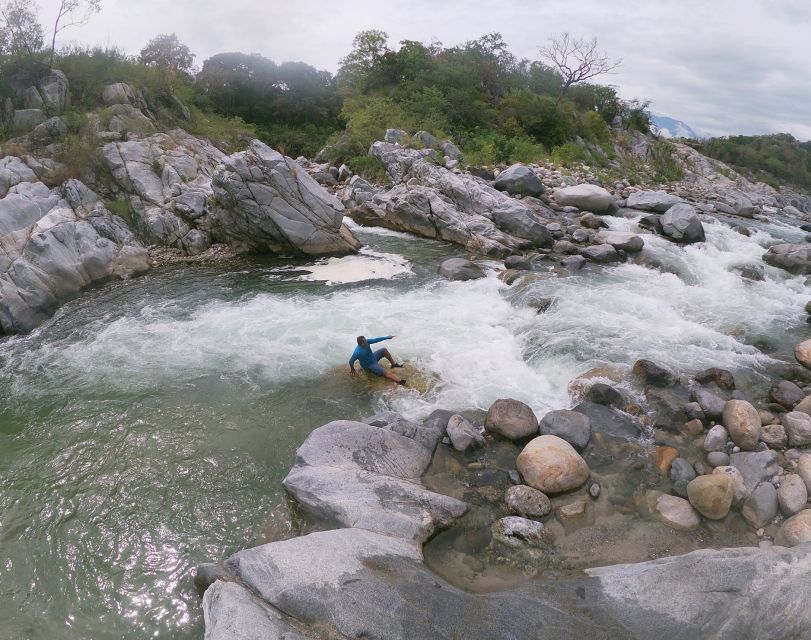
723	67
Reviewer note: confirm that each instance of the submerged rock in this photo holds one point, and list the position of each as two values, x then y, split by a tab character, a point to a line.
460	269
463	435
677	513
527	502
610	421
517	531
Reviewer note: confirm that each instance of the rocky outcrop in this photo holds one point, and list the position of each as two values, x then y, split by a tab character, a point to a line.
435	202
185	193
654	201
352	474
794	258
55	243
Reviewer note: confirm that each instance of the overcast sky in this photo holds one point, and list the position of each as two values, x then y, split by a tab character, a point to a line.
721	66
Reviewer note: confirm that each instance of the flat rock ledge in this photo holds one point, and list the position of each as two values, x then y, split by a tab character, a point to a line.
365	576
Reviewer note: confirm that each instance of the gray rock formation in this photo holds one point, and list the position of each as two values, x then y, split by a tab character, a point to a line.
681	224
586	197
355	475
519	179
794	258
434	202
460	269
55	243
655	201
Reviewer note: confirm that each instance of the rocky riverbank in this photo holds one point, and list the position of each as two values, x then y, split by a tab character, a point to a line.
364	489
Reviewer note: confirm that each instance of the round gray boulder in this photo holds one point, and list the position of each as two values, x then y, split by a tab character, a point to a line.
460	269
519	180
680	223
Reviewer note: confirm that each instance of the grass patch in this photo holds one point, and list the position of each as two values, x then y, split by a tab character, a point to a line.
370	168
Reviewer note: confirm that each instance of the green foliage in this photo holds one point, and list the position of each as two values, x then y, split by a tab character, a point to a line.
227	134
492	148
368	167
121	208
775	159
80	154
167	52
571	153
665	166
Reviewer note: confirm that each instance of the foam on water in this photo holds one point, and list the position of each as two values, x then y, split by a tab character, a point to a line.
365	265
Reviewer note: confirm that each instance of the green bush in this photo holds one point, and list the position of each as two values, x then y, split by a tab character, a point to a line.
491	148
571	153
368	167
665	166
227	134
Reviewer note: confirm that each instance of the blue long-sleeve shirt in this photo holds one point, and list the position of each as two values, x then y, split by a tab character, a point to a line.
365	356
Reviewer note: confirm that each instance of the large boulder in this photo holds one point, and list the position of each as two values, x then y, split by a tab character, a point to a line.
611	422
600	253
655	201
266	204
511	419
54	244
121	93
574	427
519	180
794	258
586	197
680	223
128	121
742	421
27	119
13	171
54	89
711	495
353	474
395	136
551	465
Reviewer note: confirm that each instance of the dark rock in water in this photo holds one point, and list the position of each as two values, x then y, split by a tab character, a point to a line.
652	223
610	421
656	201
526	226
753	272
668	407
681	224
490	478
601	253
573	263
438	420
694	411
681	473
601	393
463	435
652	374
460	269
721	377
206	574
743	231
517	262
527	502
794	258
787	394
572	426
711	403
519	179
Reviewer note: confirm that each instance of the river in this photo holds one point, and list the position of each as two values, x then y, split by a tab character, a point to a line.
148	425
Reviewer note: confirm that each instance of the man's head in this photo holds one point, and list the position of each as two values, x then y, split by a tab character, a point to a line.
362	342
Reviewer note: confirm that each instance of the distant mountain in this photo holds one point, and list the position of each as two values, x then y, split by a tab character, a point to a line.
671	128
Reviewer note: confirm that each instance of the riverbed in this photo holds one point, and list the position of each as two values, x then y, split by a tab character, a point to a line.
147	427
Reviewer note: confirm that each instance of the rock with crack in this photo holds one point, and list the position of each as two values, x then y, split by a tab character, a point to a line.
434	202
54	243
356	475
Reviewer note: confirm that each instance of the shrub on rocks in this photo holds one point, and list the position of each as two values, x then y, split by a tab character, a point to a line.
511	419
711	495
551	465
742	421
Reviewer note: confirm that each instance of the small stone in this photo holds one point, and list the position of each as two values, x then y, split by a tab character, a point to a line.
551	465
716	439
796	530
760	507
804	470
742	422
511	419
792	495
594	490
774	435
766	417
718	459
514	476
571	512
802	352
798	428
463	435
664	457
711	495
516	531
693	428
739	491
527	502
711	403
677	513
787	394
721	377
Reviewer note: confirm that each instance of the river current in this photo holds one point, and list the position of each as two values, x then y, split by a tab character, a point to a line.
147	427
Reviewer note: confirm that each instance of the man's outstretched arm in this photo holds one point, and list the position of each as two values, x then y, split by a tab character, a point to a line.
373	340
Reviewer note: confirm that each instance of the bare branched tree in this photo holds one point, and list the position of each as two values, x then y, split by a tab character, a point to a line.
576	60
72	13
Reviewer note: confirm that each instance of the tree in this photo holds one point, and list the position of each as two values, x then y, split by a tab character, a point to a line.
166	51
576	60
369	48
21	35
72	13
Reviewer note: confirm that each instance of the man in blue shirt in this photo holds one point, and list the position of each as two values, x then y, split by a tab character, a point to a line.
369	359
